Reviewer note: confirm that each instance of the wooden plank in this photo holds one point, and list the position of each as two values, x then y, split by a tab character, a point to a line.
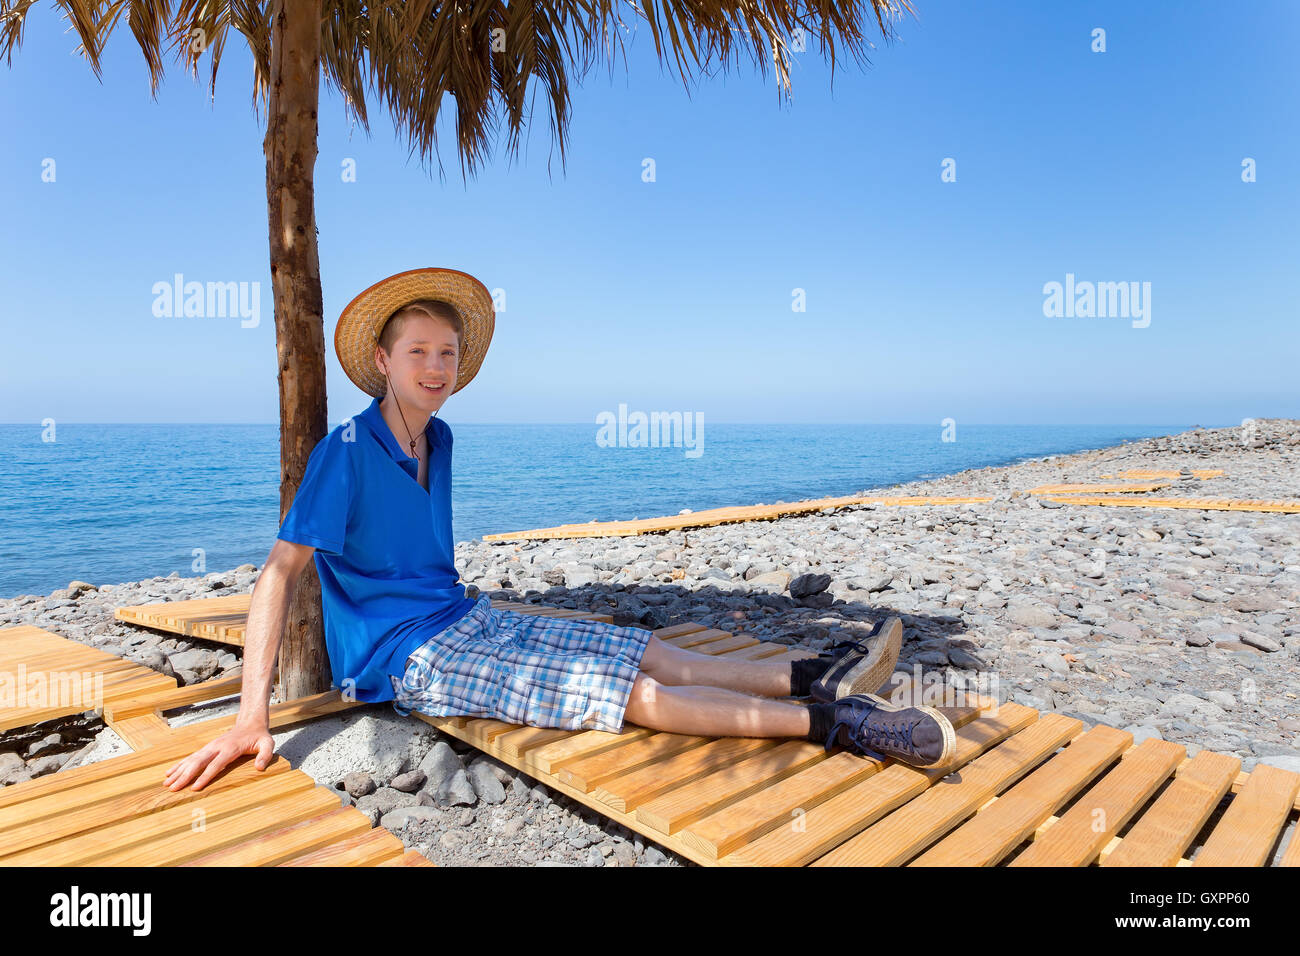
715	516
629	790
1292	855
184	741
1249	828
816	830
1077	838
66	813
1166	830
292	840
412	858
147	730
173	849
549	758
746	820
1274	506
994	832
727	645
108	834
586	773
695	640
922	821
516	742
174	698
1098	489
375	847
690	801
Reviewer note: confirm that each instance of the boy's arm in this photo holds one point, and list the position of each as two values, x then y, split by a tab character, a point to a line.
267	613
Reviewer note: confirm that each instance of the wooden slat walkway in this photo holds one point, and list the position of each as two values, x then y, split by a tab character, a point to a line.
1277	506
1131	487
1152	473
1024	789
223	619
43	676
717	516
117	812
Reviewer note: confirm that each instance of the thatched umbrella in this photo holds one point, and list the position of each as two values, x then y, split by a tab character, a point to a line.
410	54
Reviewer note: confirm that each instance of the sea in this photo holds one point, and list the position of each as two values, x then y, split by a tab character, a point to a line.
122	502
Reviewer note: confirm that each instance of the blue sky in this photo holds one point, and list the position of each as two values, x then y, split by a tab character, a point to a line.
924	298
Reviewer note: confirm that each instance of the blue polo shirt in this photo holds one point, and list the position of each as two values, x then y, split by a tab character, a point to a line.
384	548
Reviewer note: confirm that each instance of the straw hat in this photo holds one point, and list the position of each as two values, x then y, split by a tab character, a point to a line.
359	325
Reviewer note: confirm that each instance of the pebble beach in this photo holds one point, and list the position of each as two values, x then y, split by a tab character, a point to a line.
1182	624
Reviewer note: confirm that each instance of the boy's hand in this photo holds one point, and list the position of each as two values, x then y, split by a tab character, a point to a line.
212	759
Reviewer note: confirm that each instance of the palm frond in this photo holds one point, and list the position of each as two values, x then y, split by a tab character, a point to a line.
485	54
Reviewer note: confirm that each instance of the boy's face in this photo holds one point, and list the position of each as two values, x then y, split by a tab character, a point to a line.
422	367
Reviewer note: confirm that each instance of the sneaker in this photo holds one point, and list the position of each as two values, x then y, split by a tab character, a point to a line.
871	725
861	667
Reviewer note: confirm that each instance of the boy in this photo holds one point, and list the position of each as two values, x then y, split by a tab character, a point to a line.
374	510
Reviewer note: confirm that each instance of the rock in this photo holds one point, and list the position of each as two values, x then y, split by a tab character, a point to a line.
358	784
1143	732
200	662
1030	614
1125	630
485	784
1283	761
623	854
1260	641
10	761
45	744
409	782
776	580
1197	640
806	585
1056	664
966	659
440	764
384	799
653	857
1253	603
1092	614
871	582
456	791
404	816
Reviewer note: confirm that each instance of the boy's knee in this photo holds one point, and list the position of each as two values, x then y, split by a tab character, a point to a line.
644	696
657	653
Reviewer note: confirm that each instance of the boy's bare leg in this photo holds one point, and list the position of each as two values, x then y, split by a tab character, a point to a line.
668	664
712	711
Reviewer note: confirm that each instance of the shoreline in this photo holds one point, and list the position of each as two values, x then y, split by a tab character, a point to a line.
775	487
1179	624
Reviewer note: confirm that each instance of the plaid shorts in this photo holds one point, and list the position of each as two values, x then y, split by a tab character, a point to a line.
525	669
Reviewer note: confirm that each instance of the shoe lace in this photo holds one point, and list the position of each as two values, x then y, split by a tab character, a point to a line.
858	645
894	731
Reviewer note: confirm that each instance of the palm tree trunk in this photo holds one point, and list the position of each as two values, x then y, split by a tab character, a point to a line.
290	148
